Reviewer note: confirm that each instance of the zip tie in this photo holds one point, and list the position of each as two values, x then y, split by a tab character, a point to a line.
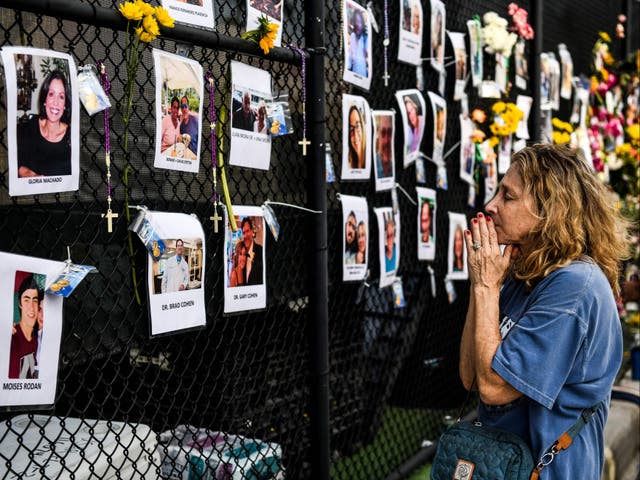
450	151
268	202
406	194
443	58
139	207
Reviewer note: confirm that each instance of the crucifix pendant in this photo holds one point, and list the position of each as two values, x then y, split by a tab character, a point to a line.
386	79
304	142
109	216
215	219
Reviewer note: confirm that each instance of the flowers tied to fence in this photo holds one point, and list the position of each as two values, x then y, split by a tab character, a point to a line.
265	35
495	36
143	26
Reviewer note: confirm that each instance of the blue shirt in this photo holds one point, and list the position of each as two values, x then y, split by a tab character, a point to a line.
563	354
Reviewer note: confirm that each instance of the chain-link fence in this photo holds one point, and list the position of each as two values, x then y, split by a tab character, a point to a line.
209	393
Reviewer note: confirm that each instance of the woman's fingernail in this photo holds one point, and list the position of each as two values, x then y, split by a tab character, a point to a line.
488	219
480	215
467	232
475	220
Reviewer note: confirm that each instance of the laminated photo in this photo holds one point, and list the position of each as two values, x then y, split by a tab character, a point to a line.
524	103
467	150
245	285
412	109
43	121
411	29
192	12
475	51
522	66
272	9
566	62
460	57
356	138
457	253
176	281
438	22
388	244
545	82
504	153
250	139
357	45
426	220
179	88
384	124
30	338
439	109
355	245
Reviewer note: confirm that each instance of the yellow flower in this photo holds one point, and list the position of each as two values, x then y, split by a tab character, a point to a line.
144	36
266	44
163	17
498	107
495	128
493	141
604	36
634	131
150	25
556	122
145	7
130	11
272	27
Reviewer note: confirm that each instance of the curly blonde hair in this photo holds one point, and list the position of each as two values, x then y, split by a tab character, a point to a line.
576	213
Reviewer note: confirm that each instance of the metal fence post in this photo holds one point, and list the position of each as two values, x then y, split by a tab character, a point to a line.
318	257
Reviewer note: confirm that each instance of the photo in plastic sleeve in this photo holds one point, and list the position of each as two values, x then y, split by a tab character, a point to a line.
467	150
90	92
426	220
521	64
490	169
545	82
192	12
179	89
388	244
523	102
566	63
30	338
250	139
439	109
356	138
398	294
279	116
357	34
43	121
355	244
411	28
272	9
475	51
176	281
457	252
148	234
384	124
66	281
412	109
438	22
245	261
460	57
502	72
504	153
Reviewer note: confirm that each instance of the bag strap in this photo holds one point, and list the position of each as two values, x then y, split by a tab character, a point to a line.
564	441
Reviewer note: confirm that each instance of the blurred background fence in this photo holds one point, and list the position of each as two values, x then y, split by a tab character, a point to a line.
392	373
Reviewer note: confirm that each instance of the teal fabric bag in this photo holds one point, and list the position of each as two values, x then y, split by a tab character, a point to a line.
470	451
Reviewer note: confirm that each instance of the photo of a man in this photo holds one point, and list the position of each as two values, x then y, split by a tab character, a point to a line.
25	329
350	245
384	145
176	271
426	235
254	253
189	126
244	115
171	126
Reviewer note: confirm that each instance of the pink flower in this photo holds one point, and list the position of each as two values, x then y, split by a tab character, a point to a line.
622	18
613	128
513	7
612	79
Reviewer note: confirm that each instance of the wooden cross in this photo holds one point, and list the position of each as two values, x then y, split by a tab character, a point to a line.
215	219
304	142
110	216
386	78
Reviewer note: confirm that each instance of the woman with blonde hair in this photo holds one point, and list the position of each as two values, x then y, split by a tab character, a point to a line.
238	272
552	291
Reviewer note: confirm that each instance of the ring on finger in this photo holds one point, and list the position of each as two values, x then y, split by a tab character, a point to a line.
477	246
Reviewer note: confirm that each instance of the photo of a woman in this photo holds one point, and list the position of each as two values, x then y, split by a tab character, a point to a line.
357	44
458	245
44	140
456	253
260	124
357	138
414	121
238	273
